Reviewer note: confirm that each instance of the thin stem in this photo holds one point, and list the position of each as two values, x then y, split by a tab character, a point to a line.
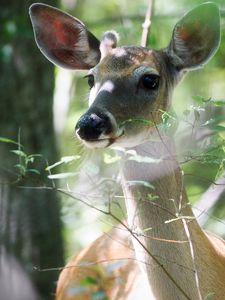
108	213
187	232
151	255
147	23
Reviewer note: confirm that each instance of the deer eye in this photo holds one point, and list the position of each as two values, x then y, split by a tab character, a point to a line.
91	80
150	81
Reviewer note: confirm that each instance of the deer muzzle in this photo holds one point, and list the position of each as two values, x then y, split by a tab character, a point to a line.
97	129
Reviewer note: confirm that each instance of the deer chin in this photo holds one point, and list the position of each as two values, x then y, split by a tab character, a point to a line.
129	140
98	144
104	141
120	140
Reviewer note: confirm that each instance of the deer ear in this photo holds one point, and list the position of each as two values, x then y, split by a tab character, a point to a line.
63	39
196	37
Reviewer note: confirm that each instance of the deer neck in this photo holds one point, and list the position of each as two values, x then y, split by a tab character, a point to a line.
155	200
153	185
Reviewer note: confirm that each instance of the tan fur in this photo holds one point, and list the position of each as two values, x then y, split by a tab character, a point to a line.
113	249
120	284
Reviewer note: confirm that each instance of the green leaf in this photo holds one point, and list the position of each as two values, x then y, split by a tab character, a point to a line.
200	99
169	122
140	183
147	229
152	197
219	120
208	122
89	280
203	100
196	109
220	170
143	159
34	155
219	128
19	153
108	159
34	171
167	116
5	140
21	168
29	159
218	102
179	218
62	175
137	120
63	160
138	231
210	296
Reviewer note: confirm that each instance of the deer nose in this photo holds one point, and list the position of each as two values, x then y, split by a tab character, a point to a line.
91	126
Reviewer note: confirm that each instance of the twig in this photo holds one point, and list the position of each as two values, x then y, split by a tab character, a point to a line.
97	262
153	257
114	217
187	232
184	221
147	23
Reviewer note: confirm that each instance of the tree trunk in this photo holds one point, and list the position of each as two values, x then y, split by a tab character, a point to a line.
29	219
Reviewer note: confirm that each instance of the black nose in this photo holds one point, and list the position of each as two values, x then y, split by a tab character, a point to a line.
91	126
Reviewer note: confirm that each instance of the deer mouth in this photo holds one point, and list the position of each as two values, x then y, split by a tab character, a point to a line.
103	142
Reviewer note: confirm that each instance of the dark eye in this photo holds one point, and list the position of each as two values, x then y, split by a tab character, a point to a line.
91	80
150	81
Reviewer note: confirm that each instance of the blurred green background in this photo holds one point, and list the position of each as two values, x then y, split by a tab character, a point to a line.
39	107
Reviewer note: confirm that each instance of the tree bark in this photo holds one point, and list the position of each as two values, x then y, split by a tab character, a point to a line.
29	220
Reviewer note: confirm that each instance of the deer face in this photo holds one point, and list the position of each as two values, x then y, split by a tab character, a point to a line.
130	87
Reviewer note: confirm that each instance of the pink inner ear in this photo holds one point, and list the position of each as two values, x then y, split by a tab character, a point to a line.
63	39
183	33
57	38
55	30
60	32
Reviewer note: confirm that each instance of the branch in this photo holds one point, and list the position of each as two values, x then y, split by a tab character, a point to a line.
147	23
126	227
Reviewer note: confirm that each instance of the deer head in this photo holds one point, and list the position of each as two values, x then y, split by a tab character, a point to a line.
127	84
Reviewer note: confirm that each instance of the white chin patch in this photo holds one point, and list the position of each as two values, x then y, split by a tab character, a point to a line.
97	144
131	141
120	141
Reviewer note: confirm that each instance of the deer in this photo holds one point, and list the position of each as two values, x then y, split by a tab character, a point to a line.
162	251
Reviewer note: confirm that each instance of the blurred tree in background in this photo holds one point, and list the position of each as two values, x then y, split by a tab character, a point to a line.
30	219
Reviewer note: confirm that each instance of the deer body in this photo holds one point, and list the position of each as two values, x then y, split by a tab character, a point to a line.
124	281
129	85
